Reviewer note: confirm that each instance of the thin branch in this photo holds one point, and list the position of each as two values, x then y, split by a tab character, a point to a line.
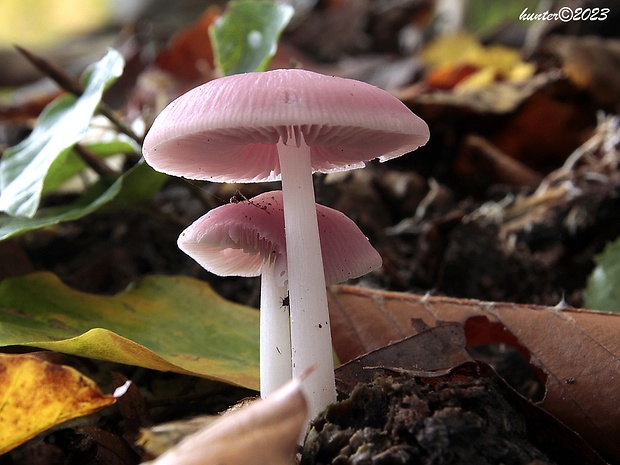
73	86
94	162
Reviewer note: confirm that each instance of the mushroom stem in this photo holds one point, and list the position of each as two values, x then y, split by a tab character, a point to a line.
311	341
275	337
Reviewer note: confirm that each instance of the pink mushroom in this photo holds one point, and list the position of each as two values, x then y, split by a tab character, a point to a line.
247	239
286	124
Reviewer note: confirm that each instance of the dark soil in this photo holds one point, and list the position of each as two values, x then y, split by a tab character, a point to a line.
463	418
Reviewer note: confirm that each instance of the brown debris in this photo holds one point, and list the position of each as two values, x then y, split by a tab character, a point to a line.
466	416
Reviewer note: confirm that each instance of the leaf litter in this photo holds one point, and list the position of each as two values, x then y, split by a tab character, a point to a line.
470	220
62	394
578	378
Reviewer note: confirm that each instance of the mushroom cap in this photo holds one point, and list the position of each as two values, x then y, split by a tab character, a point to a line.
227	129
238	239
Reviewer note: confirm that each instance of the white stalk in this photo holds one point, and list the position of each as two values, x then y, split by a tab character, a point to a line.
275	334
311	341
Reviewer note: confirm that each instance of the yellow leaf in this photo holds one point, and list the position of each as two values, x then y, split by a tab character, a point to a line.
452	50
494	62
481	78
36	395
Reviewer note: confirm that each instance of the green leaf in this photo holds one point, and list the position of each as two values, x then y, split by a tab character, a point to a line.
69	163
138	185
165	323
62	124
603	289
246	36
13	225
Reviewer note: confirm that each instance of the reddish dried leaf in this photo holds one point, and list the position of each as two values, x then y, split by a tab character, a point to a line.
27	105
447	77
576	349
190	56
461	61
545	130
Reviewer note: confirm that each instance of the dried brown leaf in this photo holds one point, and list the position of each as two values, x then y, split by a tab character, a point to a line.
577	350
431	352
265	432
189	57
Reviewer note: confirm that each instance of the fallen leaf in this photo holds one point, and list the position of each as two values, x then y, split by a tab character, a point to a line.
498	98
447	77
433	350
545	130
264	432
538	121
189	56
36	395
166	323
22	105
577	351
461	62
158	439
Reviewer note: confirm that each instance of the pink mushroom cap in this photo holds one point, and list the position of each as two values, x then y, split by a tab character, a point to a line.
238	239
227	129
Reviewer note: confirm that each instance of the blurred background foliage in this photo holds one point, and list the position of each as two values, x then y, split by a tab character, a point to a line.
42	22
55	20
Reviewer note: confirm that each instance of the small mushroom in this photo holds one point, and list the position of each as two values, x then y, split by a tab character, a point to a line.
286	124
247	239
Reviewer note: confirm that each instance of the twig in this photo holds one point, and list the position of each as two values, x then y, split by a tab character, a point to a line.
94	162
73	86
